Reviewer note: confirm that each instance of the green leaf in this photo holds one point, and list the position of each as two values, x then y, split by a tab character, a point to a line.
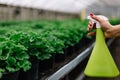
11	61
21	56
18	48
34	52
0	75
44	56
10	69
15	36
25	64
5	54
3	38
2	70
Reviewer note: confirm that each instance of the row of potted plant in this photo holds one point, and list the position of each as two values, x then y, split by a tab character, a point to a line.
25	43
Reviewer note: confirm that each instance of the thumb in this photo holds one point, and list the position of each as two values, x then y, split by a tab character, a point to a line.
96	17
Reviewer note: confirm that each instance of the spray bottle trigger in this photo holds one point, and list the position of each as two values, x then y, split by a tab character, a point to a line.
94	21
93	25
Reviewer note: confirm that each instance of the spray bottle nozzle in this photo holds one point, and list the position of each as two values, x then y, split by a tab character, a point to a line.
94	21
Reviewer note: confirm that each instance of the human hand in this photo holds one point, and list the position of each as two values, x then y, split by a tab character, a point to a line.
105	25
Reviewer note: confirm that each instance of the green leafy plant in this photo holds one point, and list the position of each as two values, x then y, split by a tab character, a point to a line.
44	38
41	46
13	57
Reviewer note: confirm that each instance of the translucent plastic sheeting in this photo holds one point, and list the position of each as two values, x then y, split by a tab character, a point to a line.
69	6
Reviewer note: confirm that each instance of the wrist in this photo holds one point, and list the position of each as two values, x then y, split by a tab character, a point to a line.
110	32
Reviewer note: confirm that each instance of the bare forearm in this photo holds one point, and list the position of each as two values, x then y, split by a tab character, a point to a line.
117	31
114	31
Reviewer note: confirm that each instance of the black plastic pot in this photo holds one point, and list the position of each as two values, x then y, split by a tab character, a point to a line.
80	44
10	76
61	57
70	50
46	66
89	40
31	74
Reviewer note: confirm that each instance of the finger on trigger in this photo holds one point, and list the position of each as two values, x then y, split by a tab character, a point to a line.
89	28
91	33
